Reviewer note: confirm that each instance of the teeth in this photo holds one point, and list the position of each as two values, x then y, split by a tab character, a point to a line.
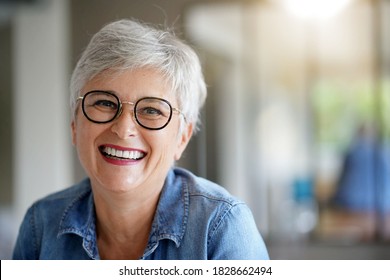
123	154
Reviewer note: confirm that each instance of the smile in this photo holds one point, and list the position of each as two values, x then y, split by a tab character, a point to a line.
122	154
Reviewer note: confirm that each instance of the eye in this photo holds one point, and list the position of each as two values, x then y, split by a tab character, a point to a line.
103	104
150	112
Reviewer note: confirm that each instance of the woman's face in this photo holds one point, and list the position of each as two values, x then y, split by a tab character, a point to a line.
149	153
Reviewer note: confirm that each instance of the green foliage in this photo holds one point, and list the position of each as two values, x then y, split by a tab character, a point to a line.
340	108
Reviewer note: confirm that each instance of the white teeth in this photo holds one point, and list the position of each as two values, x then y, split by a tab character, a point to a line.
123	154
126	154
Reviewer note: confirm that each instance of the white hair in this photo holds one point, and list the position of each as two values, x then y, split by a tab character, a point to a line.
127	44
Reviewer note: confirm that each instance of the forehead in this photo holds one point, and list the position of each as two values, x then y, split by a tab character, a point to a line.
132	83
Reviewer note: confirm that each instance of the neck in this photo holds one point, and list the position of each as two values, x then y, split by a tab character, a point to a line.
124	222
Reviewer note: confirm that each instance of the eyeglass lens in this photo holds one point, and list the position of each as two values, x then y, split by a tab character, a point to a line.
150	112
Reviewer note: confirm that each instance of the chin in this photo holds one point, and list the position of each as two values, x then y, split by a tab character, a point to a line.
115	185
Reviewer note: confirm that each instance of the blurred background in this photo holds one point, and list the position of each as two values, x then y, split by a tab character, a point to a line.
297	121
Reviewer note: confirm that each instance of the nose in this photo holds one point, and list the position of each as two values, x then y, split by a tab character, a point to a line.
125	125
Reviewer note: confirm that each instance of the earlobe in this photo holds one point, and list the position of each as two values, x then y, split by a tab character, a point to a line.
186	135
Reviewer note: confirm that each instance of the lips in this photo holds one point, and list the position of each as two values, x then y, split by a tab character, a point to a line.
119	153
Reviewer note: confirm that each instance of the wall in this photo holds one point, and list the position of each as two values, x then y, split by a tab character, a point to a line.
41	138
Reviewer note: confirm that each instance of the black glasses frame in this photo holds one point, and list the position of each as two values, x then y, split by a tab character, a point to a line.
120	108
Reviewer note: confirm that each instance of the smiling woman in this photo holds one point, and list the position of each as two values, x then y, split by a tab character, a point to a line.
135	97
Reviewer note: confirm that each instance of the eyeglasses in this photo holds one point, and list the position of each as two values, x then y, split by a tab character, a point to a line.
149	112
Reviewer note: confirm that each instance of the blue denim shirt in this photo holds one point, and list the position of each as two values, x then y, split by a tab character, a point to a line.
195	219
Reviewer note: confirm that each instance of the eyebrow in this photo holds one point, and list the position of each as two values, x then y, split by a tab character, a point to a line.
139	97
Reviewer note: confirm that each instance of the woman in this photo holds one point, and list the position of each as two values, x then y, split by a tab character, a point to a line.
135	96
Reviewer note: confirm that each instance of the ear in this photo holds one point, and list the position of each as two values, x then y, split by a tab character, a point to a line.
183	140
73	127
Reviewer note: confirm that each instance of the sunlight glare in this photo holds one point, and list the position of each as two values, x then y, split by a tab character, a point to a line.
316	9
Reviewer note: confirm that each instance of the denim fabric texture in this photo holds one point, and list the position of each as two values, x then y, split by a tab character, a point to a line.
195	219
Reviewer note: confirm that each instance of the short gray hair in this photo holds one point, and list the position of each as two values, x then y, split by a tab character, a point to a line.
128	44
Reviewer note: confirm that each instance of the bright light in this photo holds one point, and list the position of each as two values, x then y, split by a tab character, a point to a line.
317	9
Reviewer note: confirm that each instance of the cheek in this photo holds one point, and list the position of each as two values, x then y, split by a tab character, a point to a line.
83	135
80	140
162	144
174	147
73	132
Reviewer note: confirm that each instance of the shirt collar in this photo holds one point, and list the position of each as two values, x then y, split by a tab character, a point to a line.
79	218
172	210
170	219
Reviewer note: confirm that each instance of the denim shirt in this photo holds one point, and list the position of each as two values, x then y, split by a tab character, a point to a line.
194	219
